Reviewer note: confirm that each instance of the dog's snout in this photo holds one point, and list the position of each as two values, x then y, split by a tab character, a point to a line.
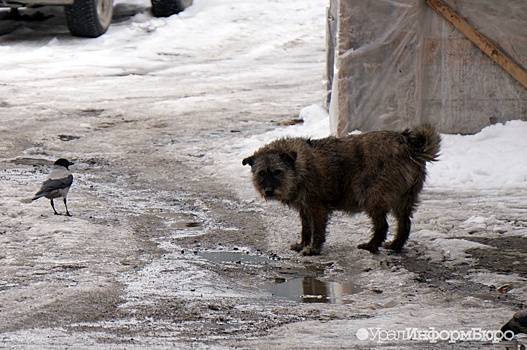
269	191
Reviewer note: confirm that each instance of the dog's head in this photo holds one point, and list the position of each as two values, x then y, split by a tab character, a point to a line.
273	172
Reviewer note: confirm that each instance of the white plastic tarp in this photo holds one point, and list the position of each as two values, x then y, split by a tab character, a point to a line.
397	63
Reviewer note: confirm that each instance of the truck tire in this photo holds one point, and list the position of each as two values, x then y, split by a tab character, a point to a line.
167	8
89	18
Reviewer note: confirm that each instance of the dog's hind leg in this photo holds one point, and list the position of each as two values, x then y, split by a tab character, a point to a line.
404	224
380	230
403	213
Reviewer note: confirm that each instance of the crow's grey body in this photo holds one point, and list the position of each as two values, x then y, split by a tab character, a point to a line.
57	184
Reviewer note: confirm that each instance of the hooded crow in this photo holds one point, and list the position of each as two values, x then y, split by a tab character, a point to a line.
57	184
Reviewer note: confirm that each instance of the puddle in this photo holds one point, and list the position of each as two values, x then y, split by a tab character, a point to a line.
304	290
234	257
313	290
181	220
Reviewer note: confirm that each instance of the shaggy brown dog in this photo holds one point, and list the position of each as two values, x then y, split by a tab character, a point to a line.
375	172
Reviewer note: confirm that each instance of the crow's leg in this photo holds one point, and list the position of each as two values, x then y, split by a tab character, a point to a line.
66	205
53	206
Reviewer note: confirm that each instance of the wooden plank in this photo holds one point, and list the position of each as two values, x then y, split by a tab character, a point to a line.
480	41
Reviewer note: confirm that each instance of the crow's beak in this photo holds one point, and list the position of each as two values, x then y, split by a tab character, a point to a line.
70	163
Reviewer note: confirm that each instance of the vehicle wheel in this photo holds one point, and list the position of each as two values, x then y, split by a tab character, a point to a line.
89	18
167	8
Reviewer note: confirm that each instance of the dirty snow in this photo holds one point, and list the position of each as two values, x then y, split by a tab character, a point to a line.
157	114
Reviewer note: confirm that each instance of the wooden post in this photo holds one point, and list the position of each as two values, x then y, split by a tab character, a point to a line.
480	41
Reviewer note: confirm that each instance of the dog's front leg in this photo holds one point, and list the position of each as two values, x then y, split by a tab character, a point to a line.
306	231
317	218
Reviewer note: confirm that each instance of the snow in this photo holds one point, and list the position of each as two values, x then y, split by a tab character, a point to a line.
246	57
493	159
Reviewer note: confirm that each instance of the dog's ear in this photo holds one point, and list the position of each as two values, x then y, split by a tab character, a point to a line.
289	157
248	160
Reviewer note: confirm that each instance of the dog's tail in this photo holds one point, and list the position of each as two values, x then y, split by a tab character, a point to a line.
424	142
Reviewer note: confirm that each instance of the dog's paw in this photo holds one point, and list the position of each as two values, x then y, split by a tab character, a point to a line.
297	247
309	251
372	248
393	245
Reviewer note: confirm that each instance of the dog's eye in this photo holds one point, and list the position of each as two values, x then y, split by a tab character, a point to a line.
277	172
262	173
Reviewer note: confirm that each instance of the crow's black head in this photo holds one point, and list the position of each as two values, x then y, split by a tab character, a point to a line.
63	162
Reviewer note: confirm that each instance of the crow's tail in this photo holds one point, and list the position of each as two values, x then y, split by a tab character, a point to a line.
39	194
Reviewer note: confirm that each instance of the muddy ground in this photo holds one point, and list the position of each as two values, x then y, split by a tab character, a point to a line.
168	247
160	252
